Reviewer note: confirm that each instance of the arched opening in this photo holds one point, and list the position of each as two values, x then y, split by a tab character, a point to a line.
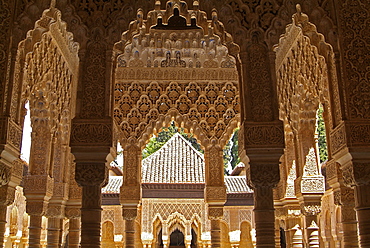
159	240
245	235
194	239
282	238
107	234
177	239
26	136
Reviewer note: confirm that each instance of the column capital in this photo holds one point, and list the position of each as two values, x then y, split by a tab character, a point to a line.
129	213
73	212
91	174
215	212
310	208
55	211
264	175
92	132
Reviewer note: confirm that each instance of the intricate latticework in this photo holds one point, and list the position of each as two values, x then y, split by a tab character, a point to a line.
164	208
184	73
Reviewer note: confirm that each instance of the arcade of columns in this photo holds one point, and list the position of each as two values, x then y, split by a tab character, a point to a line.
90	84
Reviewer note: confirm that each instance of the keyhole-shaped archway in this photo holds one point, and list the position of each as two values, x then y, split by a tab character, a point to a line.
176	65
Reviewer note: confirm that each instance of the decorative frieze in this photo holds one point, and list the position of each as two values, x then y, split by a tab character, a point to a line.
85	132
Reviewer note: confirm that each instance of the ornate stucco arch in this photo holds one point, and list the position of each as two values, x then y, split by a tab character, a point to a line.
176	66
307	77
46	74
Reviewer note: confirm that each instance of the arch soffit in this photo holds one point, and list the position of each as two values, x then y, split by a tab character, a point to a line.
176	221
37	52
299	37
168	57
49	58
157	220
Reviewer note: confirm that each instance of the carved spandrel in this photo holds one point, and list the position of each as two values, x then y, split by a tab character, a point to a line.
139	104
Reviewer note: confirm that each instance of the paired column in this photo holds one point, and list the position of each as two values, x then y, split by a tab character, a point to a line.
91	142
356	173
262	145
55	214
363	212
55	227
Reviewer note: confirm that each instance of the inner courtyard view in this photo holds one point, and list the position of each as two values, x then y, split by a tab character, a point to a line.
184	123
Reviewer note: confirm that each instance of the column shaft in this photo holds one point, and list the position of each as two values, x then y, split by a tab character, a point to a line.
91	216
74	233
35	231
349	226
130	233
215	233
264	217
363	214
54	227
3	209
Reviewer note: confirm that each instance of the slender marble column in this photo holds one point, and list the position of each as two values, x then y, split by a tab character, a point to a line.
215	233
3	209
129	215
35	231
74	233
54	227
91	216
363	213
264	215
